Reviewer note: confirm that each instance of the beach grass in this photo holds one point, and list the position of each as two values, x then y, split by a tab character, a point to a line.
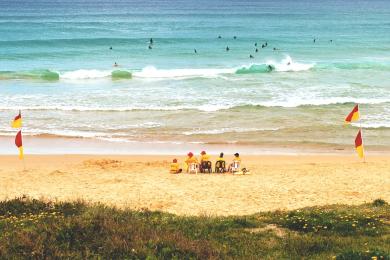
38	229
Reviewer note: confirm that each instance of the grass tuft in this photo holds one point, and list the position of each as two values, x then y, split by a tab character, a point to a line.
366	255
379	203
344	223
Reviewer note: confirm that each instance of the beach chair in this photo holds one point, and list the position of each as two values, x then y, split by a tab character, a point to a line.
193	168
206	166
235	167
220	167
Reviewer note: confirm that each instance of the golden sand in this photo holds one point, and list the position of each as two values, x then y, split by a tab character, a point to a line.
276	182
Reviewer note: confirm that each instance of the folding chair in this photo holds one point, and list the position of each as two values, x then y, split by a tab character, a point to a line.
193	168
206	166
235	166
220	167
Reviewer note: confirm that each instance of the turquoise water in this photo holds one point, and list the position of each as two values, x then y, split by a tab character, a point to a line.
57	66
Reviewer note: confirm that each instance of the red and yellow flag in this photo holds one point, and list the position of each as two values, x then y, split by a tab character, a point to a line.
17	122
353	116
359	144
19	143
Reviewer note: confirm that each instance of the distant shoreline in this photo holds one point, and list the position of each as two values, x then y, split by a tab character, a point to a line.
49	145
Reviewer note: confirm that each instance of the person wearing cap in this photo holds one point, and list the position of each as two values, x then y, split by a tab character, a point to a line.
236	157
203	158
175	168
190	159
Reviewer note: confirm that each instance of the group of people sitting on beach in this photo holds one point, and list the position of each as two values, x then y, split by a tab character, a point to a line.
204	164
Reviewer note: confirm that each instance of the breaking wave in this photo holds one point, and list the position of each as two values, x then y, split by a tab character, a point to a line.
49	75
150	72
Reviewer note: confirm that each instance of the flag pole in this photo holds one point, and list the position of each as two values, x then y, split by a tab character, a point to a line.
364	152
361	133
24	165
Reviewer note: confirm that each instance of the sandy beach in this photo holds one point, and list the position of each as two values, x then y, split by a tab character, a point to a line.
276	182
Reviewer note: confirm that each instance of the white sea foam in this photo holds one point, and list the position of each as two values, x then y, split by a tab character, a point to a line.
227	130
373	125
289	102
296	102
85	74
287	64
57	132
152	72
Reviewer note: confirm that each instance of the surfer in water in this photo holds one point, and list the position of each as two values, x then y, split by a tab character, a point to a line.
270	68
115	65
251	56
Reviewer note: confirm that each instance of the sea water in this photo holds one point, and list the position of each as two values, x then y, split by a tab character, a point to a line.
315	60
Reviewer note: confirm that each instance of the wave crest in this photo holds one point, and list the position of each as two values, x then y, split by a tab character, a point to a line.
152	72
287	64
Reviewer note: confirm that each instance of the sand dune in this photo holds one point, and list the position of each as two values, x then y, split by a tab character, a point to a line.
276	182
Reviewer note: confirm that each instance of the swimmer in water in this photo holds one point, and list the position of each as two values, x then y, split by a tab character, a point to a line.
251	56
235	37
255	44
262	46
227	48
314	40
195	51
110	47
266	44
219	37
151	41
150	47
269	67
115	64
257	50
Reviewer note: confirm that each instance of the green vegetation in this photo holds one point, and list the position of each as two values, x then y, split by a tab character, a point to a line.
37	229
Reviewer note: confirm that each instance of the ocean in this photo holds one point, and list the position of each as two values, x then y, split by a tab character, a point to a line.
314	61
